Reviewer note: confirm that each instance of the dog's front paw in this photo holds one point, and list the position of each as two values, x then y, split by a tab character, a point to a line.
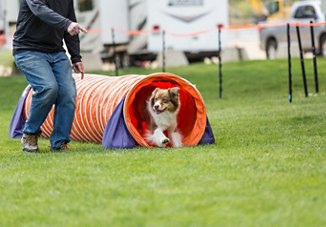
162	142
158	138
165	141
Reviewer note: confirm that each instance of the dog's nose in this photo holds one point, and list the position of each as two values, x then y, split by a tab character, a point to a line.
156	107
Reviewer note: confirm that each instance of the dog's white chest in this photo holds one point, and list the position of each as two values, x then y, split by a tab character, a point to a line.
165	120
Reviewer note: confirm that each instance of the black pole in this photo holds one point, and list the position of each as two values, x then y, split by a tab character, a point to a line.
289	62
163	51
220	62
114	53
314	56
302	63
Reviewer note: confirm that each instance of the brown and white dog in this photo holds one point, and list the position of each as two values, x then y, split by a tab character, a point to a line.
163	107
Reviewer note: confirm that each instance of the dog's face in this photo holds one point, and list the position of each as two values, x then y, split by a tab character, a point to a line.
165	100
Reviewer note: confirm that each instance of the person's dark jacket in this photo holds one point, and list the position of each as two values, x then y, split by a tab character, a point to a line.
42	26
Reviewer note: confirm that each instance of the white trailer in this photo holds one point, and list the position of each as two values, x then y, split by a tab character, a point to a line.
181	19
8	17
2	15
8	13
99	17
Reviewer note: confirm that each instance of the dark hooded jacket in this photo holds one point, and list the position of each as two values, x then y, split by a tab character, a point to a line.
42	26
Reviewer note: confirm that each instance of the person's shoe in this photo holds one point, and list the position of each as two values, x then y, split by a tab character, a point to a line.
29	143
63	147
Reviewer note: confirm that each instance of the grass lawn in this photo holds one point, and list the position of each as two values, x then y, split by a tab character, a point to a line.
267	168
6	58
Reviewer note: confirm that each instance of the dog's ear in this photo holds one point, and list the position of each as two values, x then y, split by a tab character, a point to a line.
153	95
155	91
174	91
174	94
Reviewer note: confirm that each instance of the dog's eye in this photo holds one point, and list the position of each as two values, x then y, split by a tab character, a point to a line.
165	100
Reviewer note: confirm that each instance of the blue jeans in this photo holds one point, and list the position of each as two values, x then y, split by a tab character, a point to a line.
50	75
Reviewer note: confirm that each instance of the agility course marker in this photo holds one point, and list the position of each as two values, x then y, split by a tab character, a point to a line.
303	69
112	110
114	53
219	55
314	59
163	52
289	62
312	34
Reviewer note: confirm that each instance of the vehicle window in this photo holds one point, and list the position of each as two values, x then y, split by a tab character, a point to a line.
85	5
305	12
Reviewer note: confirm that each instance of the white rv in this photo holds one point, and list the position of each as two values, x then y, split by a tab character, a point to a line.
190	25
3	15
8	13
8	17
181	19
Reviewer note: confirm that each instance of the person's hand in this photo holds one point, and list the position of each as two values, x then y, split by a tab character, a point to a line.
75	28
78	67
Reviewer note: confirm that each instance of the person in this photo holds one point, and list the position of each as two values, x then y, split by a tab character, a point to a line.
42	26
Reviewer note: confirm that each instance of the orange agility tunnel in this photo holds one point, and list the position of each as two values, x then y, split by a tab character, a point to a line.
112	110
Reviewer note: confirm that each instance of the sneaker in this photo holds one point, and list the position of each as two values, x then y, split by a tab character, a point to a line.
63	147
29	142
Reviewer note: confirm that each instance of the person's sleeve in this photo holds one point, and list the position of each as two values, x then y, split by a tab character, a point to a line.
72	42
42	11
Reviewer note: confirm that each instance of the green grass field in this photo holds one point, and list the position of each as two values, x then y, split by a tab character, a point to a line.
267	168
6	58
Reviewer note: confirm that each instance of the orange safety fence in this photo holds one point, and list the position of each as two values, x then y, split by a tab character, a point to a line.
205	31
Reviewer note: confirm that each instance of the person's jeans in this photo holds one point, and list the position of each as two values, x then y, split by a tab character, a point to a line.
50	75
